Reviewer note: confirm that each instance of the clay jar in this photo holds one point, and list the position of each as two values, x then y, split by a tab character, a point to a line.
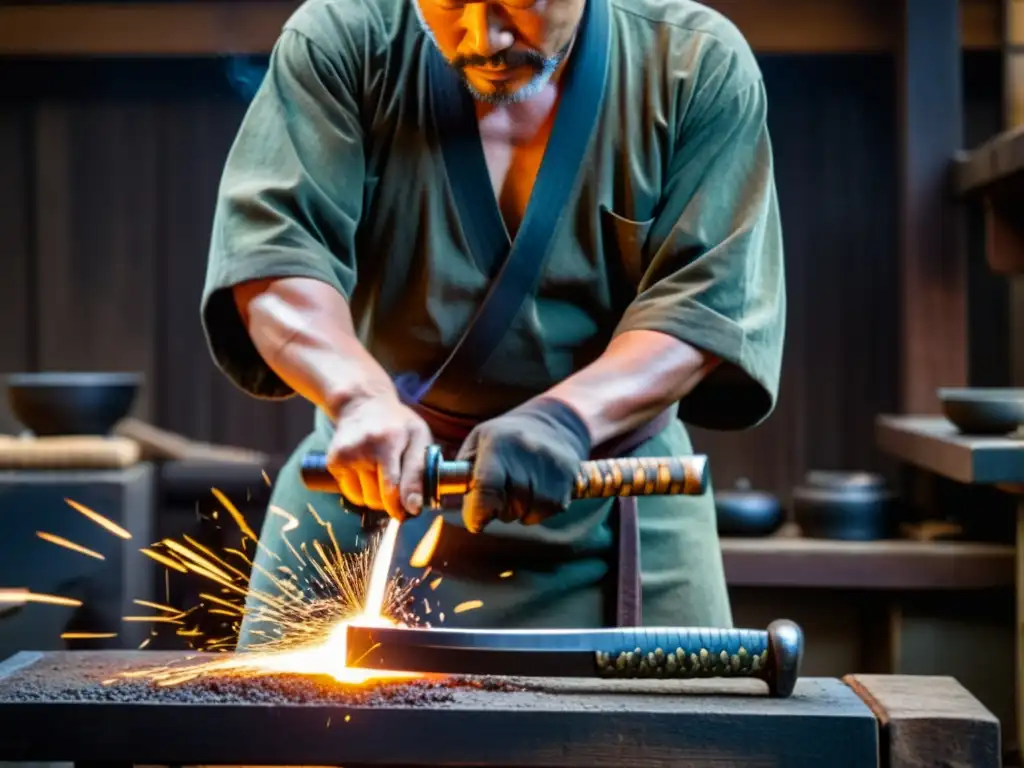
849	506
745	512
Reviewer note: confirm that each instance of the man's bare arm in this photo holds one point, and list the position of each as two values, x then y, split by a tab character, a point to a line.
640	374
303	330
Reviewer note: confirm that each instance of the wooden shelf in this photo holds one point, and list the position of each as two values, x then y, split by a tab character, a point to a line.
877	565
994	174
207	28
934	444
996	164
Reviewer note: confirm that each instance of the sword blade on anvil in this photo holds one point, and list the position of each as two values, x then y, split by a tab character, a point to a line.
773	655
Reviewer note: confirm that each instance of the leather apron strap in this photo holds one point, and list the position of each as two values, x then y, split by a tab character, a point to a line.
629	587
626	524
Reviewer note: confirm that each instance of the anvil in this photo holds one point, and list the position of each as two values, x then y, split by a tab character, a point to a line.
773	655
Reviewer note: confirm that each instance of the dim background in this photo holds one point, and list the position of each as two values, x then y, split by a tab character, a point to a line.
109	170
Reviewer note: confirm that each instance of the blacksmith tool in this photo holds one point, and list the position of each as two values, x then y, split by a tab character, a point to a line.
601	478
773	655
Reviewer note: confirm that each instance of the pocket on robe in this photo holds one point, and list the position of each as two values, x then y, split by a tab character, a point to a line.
629	238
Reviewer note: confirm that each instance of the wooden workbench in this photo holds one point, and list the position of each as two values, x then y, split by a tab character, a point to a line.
858	722
934	444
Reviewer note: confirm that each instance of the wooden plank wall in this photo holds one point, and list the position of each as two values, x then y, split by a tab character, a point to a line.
107	177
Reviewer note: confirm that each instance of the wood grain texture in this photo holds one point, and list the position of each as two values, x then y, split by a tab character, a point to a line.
933	265
929	721
17	340
97	232
141	28
554	723
196	136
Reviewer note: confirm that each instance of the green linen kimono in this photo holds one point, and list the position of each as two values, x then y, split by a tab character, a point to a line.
345	170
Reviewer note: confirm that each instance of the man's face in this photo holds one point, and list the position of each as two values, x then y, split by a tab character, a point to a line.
505	50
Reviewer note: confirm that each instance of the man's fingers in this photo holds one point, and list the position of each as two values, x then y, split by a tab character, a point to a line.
349	483
480	507
536	516
389	478
371	488
414	460
467	451
486	499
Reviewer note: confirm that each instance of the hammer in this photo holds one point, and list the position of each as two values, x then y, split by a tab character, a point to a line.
599	478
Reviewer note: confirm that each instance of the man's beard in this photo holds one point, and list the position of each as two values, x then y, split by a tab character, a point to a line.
543	67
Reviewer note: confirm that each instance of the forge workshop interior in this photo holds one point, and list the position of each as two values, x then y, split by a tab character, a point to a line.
870	526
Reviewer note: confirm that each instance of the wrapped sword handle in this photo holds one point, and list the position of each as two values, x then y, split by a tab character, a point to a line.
600	478
774	655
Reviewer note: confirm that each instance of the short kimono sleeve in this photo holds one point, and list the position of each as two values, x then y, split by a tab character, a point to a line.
715	277
290	198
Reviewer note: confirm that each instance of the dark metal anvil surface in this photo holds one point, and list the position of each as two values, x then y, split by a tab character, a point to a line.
53	708
773	656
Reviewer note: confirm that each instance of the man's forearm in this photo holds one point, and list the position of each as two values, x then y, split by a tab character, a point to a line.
303	330
639	375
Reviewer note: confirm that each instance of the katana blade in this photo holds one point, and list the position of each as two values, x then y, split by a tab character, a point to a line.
772	655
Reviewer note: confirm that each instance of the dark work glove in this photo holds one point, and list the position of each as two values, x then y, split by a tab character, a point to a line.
525	464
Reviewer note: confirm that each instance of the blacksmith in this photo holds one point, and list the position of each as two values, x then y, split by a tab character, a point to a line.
532	231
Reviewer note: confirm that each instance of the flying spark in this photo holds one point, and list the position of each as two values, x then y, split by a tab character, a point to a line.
298	614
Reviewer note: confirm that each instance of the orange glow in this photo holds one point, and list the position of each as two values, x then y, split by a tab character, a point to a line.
99	519
299	621
62	542
424	551
22	596
324	652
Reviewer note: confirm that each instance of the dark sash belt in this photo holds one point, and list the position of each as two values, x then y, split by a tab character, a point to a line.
449	431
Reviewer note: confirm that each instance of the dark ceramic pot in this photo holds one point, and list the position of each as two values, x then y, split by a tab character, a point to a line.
56	403
745	512
984	411
849	506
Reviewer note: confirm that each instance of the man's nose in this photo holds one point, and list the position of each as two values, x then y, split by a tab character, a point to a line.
487	31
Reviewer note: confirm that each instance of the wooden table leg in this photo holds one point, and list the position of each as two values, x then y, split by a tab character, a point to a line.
1019	730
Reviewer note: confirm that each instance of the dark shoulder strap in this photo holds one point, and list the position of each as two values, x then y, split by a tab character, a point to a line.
559	175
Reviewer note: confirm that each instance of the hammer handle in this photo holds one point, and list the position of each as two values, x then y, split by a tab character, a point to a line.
600	478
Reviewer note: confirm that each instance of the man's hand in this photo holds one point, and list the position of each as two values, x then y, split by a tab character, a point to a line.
525	464
377	455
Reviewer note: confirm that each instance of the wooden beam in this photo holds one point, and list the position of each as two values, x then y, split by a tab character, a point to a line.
1004	228
798	563
219	27
934	275
993	173
981	22
142	28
